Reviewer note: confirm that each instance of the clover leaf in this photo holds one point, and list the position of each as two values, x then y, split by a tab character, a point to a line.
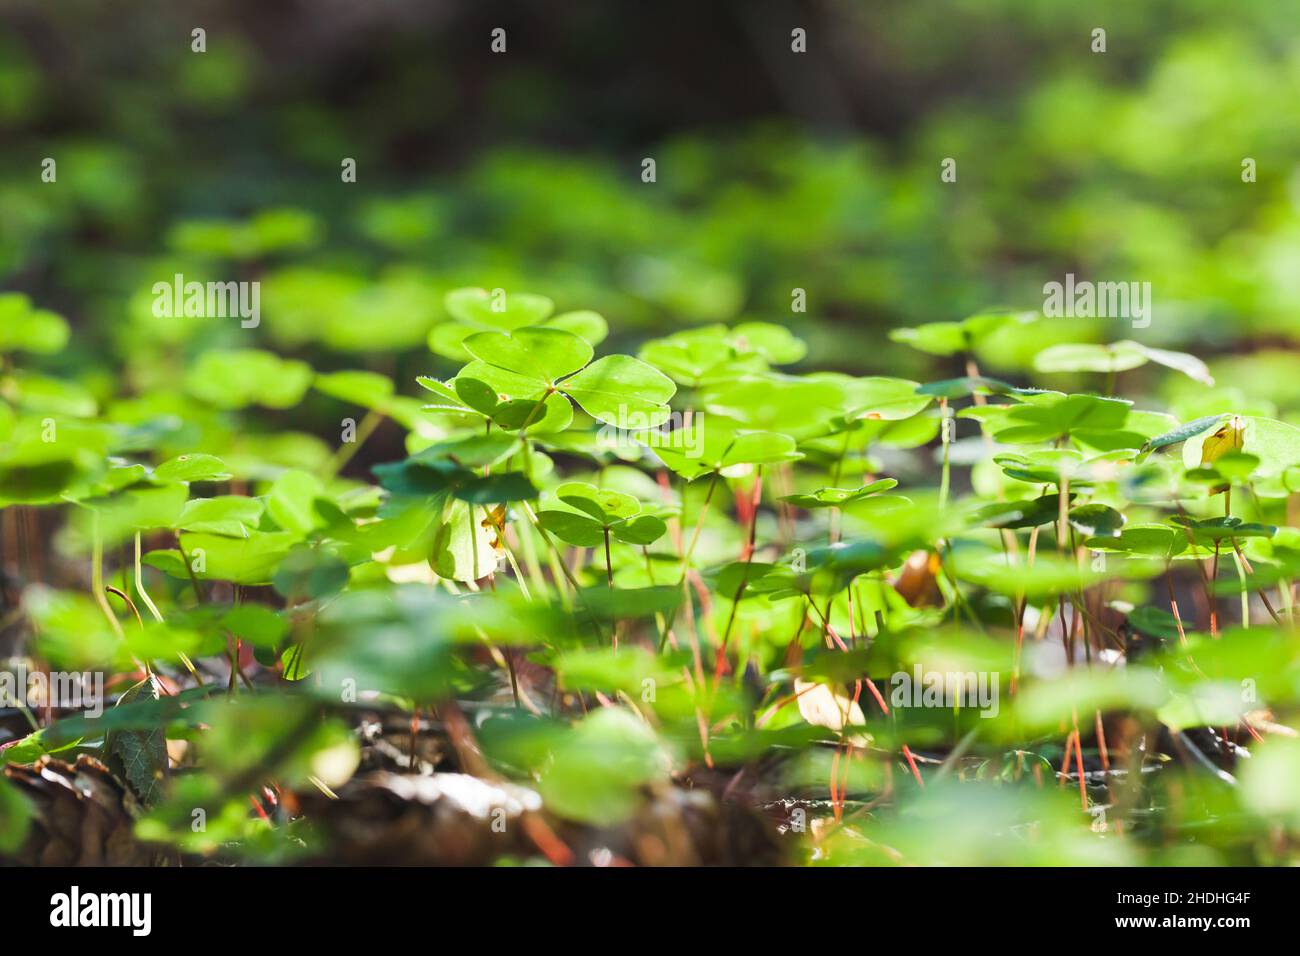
593	512
838	497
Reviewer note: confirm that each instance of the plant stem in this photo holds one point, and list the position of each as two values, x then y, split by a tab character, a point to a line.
345	451
699	524
97	576
945	437
609	566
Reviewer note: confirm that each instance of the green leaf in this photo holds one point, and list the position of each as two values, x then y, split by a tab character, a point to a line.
757	448
1155	621
478	395
448	338
34	484
423	476
1097	520
168	560
45	395
775	343
1048	417
712	354
251	560
1189	365
367	389
1014	515
1276	444
16	815
141	755
232	515
293	661
796	405
448	466
1268	780
571	528
1087	690
462	546
1207	531
541	353
1119	357
309	574
1209	704
1049	575
1182	433
609	670
119	477
698	356
595	511
502	383
1045	466
496	489
1143	540
556	414
639	529
595	773
166	642
196	467
951	338
837	497
497	309
588	325
823	570
255	624
474	451
138	508
1237	465
613	604
290	501
605	505
970	385
616	388
24	329
936	338
721	448
880	397
447	397
242	377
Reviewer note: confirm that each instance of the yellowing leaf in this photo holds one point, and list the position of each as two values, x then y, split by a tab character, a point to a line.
1230	436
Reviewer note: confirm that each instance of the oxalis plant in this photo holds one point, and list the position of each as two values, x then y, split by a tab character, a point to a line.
959	621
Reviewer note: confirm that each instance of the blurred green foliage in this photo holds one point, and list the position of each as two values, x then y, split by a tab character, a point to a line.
759	278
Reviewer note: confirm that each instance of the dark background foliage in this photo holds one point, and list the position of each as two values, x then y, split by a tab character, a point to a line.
775	170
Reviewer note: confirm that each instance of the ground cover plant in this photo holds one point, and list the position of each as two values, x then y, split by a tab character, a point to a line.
702	603
581	434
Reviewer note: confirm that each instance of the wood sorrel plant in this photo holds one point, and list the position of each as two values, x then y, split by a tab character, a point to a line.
721	602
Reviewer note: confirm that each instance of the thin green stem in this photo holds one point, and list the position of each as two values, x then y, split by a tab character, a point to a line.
346	450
